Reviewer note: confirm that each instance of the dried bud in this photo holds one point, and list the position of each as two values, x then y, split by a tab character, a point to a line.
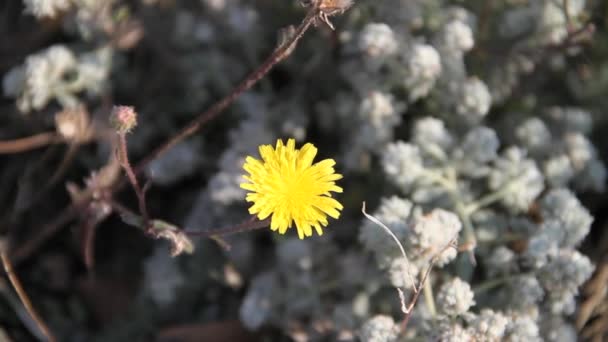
123	119
333	7
180	242
328	8
73	124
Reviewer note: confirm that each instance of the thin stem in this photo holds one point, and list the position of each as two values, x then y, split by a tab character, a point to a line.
394	237
132	218
12	276
490	284
492	198
126	165
486	200
239	228
429	298
29	143
423	281
470	240
495	282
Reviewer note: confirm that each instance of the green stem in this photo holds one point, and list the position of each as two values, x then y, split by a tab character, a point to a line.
429	298
489	199
490	284
470	240
495	282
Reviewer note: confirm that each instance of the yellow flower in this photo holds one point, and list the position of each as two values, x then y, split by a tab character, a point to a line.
288	186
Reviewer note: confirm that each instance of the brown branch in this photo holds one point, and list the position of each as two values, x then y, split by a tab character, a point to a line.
29	143
12	276
239	228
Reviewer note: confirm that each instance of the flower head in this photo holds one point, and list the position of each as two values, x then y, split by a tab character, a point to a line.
287	185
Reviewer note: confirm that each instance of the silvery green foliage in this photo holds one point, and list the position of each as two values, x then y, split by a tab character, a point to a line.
445	330
455	297
559	143
399	157
479	147
534	135
566	223
379	329
57	74
558	171
562	210
536	25
520	175
402	272
475	100
424	237
489	326
550	23
522	328
562	276
379	113
501	261
557	329
431	133
527	291
552	27
456	36
394	212
377	40
423	69
429	236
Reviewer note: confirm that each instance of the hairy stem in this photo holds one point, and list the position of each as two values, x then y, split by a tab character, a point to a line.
123	157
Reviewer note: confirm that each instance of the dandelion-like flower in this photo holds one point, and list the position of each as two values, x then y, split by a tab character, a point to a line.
287	185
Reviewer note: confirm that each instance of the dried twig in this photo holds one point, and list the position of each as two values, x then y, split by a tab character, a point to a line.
8	268
392	235
248	225
407	308
29	143
414	300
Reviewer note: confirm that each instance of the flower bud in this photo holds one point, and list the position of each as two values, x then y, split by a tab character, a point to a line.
123	119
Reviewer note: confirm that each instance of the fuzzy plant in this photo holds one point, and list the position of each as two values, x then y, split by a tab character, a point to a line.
468	131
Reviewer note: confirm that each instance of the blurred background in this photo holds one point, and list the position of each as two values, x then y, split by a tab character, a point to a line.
492	111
